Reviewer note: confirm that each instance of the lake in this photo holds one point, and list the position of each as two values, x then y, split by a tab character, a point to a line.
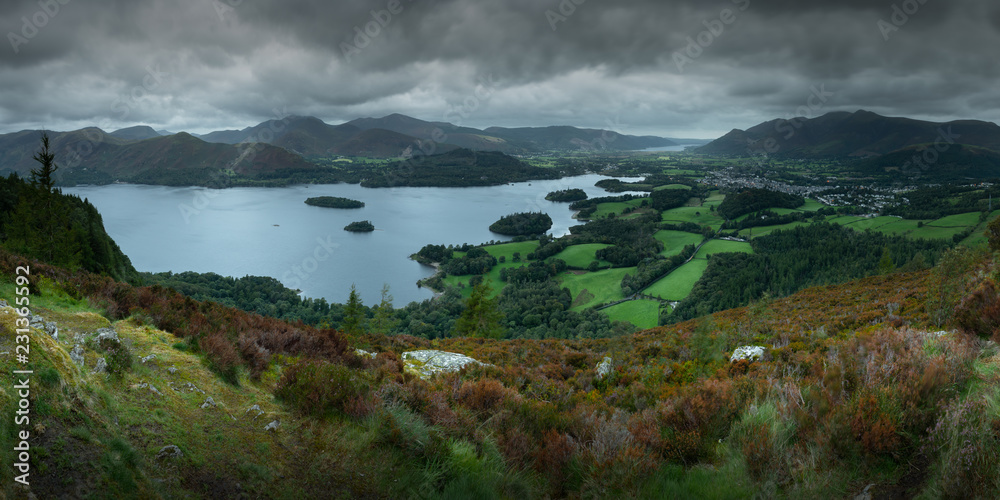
272	232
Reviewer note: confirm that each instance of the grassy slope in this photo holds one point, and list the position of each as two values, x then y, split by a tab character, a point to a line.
592	289
641	313
101	434
675	241
678	284
580	256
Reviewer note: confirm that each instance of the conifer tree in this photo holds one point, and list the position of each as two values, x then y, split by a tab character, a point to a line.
353	313
481	317
384	321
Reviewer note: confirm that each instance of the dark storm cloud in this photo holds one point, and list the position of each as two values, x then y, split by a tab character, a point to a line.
645	66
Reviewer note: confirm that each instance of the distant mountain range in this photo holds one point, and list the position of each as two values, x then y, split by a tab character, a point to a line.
312	137
142	154
882	147
860	134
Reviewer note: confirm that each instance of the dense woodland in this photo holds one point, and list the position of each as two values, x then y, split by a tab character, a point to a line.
363	226
567	195
752	200
522	224
37	220
787	261
334	202
457	168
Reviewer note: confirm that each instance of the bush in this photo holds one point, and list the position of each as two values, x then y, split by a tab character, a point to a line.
222	355
117	356
320	388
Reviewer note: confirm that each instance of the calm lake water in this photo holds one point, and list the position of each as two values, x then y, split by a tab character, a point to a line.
272	232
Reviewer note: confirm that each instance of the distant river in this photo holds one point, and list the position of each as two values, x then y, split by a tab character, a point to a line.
272	232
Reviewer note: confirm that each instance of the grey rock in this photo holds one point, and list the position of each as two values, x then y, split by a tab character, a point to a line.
77	354
363	353
102	366
170	451
427	363
273	426
147	358
172	370
748	352
209	402
3	303
604	367
255	408
193	388
52	329
106	333
152	388
865	494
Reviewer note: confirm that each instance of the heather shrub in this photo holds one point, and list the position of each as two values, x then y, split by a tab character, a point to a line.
764	437
320	387
222	356
965	448
482	396
117	356
978	313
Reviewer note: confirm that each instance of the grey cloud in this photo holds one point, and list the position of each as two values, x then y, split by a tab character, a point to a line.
231	68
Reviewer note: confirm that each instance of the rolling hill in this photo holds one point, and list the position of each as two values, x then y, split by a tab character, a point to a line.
860	134
958	162
91	156
461	167
136	133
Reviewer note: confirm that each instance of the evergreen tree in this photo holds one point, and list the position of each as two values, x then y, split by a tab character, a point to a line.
885	264
481	317
384	320
42	176
354	314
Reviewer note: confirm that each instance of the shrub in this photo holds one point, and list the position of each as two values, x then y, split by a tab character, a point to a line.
964	444
979	312
222	355
117	356
320	388
482	396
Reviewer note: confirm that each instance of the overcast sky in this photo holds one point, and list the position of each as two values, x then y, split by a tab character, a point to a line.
628	65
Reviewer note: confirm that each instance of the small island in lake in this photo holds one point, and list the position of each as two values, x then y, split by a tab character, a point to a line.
360	227
334	202
522	224
567	195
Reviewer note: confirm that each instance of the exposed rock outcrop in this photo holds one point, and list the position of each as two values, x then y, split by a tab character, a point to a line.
427	363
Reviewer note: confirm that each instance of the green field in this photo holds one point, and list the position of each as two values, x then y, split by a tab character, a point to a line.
672	186
757	232
970	219
977	237
592	289
722	246
678	284
943	228
641	313
615	207
675	241
505	250
699	215
580	256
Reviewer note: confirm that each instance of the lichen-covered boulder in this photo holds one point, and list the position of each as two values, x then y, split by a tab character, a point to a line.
427	363
102	366
604	367
363	353
747	352
77	354
106	333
